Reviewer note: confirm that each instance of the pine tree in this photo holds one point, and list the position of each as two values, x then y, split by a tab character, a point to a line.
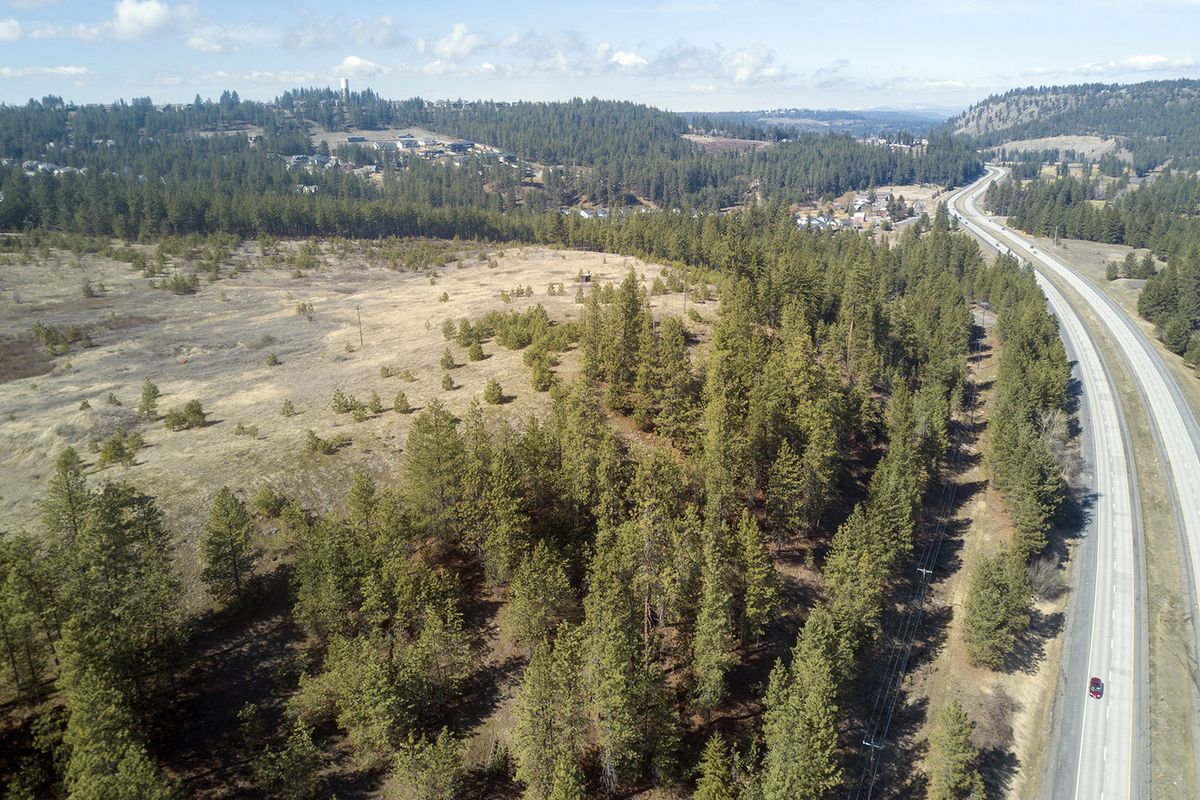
550	717
716	772
540	596
568	779
785	494
67	500
800	724
226	554
614	659
506	528
997	608
535	740
712	645
433	470
106	759
148	404
760	591
953	774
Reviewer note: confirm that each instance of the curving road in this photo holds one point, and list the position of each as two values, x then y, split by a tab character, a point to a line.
1099	757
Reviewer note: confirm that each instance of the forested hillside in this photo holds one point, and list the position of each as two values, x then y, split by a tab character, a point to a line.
148	170
1157	120
1163	216
640	575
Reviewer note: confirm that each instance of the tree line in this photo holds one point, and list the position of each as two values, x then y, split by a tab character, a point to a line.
1159	215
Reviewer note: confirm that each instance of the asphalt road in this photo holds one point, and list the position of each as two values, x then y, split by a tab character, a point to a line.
1096	755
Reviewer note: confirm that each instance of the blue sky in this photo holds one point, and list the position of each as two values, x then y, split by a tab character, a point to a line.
676	54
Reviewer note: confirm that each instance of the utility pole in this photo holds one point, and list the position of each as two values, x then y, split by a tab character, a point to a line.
358	310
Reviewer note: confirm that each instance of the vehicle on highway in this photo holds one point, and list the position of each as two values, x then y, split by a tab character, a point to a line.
1096	688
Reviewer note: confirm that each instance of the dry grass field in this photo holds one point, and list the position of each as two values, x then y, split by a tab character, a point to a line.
213	346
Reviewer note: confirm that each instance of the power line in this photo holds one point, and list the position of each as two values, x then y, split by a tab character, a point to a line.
874	741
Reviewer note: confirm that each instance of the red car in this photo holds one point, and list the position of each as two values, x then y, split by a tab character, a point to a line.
1096	688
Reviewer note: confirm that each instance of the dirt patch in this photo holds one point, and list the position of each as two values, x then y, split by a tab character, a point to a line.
1091	147
724	144
23	358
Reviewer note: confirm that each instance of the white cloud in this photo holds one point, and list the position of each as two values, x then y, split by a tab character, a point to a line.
77	73
377	32
625	58
10	30
84	33
1157	62
749	64
137	19
355	67
132	21
457	44
220	39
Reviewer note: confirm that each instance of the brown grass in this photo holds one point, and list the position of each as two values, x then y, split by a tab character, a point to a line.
212	346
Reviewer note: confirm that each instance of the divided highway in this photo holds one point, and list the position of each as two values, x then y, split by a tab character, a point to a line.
1098	757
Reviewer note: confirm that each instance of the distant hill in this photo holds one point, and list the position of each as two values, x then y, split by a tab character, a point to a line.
870	122
1155	120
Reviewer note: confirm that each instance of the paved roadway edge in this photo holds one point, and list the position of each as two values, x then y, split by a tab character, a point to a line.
1088	556
1188	590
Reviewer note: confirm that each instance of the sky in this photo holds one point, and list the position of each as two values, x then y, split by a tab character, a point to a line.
682	55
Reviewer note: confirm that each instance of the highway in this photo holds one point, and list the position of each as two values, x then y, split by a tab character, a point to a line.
1098	756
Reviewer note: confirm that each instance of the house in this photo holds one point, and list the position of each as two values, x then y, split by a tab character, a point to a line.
458	148
386	146
508	158
408	144
355	139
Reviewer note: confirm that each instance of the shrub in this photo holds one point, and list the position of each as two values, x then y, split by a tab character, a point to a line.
448	329
267	502
543	377
475	352
181	284
343	403
360	414
400	404
374	404
492	393
306	309
447	360
447	381
246	430
315	444
287	409
119	448
444	297
192	415
84	405
111	400
272	360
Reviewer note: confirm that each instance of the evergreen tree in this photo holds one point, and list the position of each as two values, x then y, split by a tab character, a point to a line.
760	592
800	724
713	642
433	469
226	554
716	772
953	774
785	494
106	760
997	608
